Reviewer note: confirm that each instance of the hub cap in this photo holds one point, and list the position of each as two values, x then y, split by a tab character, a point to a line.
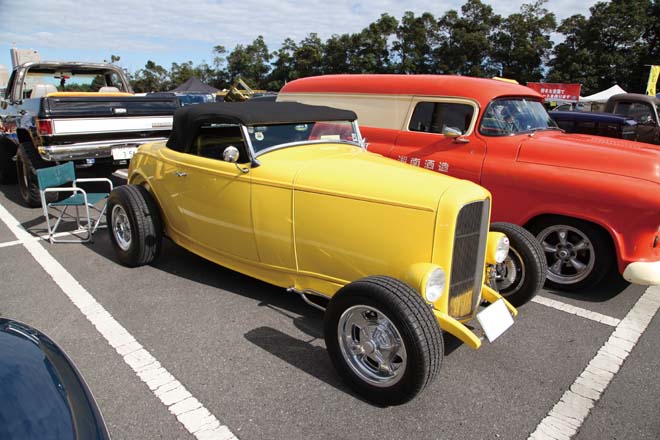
121	227
372	345
510	274
569	252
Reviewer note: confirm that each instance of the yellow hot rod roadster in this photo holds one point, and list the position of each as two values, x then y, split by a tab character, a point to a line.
288	194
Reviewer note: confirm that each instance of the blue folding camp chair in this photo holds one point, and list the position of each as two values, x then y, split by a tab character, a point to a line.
50	181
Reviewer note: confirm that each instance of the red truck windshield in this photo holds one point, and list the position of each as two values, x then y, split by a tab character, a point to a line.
509	116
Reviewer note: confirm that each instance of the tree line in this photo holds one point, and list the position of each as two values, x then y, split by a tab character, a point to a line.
613	45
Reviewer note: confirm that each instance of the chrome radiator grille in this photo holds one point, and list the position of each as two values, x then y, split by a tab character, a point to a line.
468	259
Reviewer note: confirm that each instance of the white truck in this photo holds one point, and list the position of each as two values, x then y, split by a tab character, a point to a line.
53	112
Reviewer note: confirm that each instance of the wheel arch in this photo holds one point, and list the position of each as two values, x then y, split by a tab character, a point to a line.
614	242
24	136
139	179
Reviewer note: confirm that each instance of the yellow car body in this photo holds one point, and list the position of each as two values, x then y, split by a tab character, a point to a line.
319	217
316	217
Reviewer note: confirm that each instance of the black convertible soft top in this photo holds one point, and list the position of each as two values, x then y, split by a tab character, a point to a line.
188	120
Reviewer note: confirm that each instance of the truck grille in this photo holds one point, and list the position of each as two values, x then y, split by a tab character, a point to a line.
468	259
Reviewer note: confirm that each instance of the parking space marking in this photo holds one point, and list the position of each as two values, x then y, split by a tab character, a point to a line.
565	418
10	243
40	237
578	311
186	408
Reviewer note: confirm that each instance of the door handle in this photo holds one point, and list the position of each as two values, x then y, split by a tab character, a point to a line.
180	173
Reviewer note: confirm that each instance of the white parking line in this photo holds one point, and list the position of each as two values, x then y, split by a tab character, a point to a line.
10	243
41	237
566	417
584	313
188	410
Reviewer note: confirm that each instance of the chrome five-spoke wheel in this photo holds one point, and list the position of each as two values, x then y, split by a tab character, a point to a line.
372	345
570	253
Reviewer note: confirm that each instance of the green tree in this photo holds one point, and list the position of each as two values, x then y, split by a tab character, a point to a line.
283	65
250	62
219	77
522	45
152	78
413	49
307	57
610	47
180	73
573	61
465	41
341	54
372	46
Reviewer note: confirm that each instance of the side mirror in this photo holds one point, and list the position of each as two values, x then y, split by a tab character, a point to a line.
454	134
230	154
451	132
3	103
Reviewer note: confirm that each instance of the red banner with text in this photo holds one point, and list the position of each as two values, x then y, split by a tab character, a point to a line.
557	91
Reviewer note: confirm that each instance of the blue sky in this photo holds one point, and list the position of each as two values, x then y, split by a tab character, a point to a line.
187	30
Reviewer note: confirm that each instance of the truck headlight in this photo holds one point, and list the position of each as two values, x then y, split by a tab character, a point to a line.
435	284
502	249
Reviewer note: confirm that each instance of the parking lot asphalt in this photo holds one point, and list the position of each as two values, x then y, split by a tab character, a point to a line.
254	357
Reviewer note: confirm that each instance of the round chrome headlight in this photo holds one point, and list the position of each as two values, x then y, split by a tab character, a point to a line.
435	285
502	249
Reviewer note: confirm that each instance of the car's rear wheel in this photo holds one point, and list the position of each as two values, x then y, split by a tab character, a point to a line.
134	224
522	274
27	163
383	339
579	254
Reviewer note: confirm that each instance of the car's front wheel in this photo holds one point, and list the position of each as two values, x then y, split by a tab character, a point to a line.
134	224
383	339
522	274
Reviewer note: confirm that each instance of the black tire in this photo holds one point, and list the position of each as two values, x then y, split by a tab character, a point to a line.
7	165
402	307
598	254
134	225
522	274
28	162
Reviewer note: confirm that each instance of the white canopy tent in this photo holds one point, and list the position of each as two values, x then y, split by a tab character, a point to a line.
604	95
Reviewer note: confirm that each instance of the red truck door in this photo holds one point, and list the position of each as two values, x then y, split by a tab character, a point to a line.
423	144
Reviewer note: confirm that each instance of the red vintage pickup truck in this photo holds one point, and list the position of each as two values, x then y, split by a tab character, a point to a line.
592	202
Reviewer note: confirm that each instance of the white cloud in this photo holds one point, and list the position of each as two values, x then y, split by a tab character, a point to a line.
192	27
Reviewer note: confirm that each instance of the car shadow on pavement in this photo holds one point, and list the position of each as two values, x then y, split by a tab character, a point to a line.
611	286
303	354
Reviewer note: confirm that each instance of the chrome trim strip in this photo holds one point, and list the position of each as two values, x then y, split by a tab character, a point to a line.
84	150
295	144
481	255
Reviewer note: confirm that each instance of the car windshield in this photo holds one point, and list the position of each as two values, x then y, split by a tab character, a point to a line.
505	117
72	81
264	137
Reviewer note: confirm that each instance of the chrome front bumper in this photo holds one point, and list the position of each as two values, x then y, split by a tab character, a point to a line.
90	150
